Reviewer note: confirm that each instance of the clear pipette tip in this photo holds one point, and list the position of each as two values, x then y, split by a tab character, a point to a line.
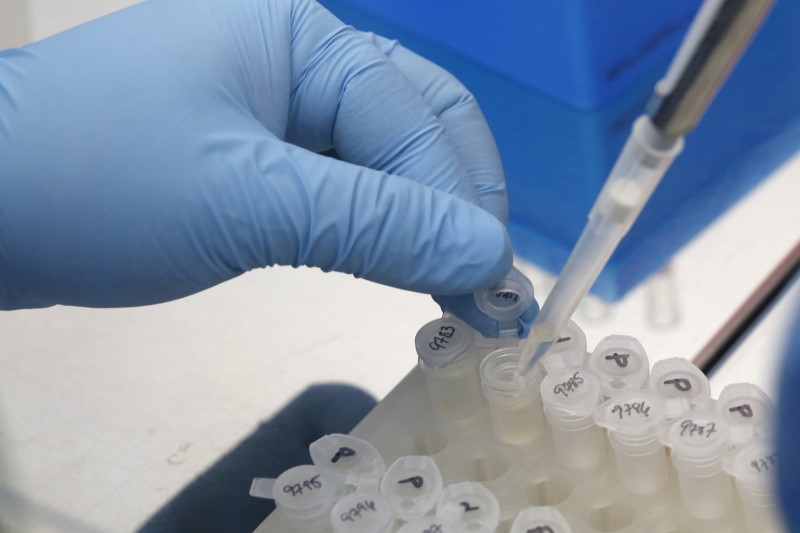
539	349
714	43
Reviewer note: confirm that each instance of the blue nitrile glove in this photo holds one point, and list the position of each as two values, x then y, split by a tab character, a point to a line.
171	146
788	429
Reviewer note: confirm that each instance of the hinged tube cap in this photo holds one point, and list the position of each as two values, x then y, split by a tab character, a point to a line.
355	460
681	384
443	342
621	363
507	299
748	409
570	396
413	485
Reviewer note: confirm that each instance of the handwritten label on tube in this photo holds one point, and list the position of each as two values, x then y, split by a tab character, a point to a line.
571	385
416	481
620	358
441	340
691	429
745	410
764	464
297	489
627	410
681	384
357	511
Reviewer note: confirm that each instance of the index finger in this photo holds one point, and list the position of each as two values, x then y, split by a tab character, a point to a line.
464	123
347	94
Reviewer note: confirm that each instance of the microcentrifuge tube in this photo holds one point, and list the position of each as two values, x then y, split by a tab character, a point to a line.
429	524
748	410
681	384
570	396
621	363
413	485
540	520
568	350
632	418
471	506
515	403
445	349
505	301
698	441
362	512
355	460
304	496
754	466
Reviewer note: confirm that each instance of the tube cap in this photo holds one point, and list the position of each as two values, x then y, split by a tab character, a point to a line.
571	393
568	350
540	519
698	437
681	384
413	485
355	460
755	465
443	341
748	410
362	512
632	413
471	506
621	363
306	491
508	298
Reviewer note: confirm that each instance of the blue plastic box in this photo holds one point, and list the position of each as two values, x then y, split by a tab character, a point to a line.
581	52
557	154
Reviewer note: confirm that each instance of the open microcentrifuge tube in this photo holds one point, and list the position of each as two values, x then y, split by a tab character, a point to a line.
568	350
515	403
505	301
413	485
748	410
429	524
570	396
754	466
304	496
471	506
698	441
632	418
540	520
621	363
355	460
445	349
681	384
362	512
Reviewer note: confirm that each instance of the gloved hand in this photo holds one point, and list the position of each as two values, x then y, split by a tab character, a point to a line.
171	146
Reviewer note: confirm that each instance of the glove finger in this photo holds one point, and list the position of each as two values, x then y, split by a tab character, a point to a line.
466	127
347	94
462	118
306	209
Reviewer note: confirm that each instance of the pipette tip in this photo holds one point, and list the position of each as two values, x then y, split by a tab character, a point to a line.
539	349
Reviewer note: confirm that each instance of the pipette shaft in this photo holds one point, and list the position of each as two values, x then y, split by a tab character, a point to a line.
712	46
646	156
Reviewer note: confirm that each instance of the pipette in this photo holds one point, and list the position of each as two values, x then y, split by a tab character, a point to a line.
715	41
